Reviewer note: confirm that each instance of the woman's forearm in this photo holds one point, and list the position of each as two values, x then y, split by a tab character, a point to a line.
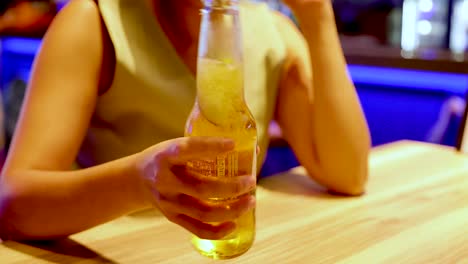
342	140
50	204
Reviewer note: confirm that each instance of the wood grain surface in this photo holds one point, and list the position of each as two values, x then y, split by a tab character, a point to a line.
415	211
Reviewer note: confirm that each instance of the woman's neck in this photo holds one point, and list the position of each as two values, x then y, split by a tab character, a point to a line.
180	21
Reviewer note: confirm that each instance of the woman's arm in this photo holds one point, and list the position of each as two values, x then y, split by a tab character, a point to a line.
40	197
320	113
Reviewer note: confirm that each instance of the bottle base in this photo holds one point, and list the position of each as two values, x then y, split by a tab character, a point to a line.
220	249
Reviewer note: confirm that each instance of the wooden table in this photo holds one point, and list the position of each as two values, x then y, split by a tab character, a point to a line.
415	211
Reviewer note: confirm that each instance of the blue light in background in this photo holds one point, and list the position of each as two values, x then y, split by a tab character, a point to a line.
379	76
20	45
398	103
411	79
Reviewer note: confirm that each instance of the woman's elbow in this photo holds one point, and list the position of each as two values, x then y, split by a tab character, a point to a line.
357	170
350	180
14	220
8	216
7	232
355	187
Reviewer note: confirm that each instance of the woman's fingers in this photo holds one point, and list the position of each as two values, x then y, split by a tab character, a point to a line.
185	196
206	211
203	230
181	151
203	187
187	149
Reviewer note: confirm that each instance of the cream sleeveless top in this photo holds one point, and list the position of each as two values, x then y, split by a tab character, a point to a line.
153	90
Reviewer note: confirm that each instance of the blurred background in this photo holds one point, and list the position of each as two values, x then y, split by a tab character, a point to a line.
407	58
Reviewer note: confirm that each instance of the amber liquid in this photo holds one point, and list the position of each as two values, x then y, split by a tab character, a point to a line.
238	124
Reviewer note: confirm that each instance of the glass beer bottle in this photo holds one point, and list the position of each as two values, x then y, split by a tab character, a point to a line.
220	110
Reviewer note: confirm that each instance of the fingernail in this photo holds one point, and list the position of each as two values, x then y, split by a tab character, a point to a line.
229	143
251	181
252	201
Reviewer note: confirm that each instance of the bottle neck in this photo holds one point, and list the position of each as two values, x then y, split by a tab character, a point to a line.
220	33
221	4
220	54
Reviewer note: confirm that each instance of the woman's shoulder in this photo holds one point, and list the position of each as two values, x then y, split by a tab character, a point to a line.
82	8
78	29
78	16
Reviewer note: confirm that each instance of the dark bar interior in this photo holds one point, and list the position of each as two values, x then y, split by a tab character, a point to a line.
372	33
408	63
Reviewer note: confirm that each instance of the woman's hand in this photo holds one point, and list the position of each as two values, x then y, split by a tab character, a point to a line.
183	197
306	10
293	4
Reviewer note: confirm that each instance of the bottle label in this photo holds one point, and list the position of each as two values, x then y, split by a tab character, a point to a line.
227	165
224	166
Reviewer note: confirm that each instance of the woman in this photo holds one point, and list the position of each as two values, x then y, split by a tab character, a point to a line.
101	86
